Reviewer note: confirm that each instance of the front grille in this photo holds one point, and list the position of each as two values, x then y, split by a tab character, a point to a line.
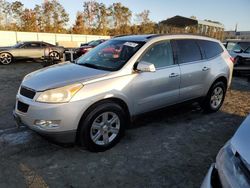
29	93
22	107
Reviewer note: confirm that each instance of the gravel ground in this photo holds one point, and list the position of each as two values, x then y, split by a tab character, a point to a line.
172	147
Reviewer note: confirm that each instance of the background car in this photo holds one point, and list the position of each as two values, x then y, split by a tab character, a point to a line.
87	47
240	51
29	50
232	168
86	44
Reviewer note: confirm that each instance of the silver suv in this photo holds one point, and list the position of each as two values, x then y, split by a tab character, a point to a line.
93	99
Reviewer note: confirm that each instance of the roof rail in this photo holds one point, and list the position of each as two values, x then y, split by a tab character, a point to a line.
117	36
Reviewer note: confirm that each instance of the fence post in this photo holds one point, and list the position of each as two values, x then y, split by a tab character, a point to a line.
16	35
55	39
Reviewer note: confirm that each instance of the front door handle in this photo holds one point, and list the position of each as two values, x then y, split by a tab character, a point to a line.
205	68
172	75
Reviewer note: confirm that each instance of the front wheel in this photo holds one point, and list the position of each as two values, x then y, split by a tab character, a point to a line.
5	58
215	97
103	127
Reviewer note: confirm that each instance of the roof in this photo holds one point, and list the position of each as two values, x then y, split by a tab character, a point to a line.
180	21
145	38
212	24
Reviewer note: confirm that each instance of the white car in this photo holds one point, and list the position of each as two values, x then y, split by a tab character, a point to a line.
240	51
232	167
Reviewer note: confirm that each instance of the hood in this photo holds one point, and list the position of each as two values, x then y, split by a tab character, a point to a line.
60	75
241	140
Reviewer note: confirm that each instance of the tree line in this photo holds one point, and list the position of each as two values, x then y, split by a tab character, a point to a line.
94	18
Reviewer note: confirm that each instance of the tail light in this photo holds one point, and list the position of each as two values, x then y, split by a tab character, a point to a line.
85	50
232	59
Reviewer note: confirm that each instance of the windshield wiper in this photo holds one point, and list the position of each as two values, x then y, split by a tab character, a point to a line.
96	66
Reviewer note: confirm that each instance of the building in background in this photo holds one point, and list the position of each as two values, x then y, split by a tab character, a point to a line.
180	24
244	35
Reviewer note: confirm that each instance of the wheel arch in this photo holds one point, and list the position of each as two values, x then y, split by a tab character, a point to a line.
221	78
115	100
7	53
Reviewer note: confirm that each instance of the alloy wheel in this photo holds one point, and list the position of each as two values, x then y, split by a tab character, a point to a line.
216	97
5	58
105	128
55	55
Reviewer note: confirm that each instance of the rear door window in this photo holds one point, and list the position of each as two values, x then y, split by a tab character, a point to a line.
187	50
210	48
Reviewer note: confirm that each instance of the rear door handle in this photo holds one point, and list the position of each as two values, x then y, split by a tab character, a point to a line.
205	68
172	75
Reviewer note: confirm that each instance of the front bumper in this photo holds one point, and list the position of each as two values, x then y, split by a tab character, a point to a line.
59	137
67	114
229	171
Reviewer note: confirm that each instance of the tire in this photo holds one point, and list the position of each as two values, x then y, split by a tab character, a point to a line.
54	55
97	133
6	58
215	97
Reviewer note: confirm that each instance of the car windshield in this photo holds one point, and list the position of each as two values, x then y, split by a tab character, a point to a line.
244	45
110	55
18	45
238	45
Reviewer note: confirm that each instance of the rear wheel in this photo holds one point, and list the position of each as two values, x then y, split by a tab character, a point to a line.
54	55
103	127
215	97
5	58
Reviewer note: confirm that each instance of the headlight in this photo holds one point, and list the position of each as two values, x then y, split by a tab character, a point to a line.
59	95
229	168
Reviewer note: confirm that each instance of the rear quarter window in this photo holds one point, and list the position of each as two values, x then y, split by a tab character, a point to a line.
210	48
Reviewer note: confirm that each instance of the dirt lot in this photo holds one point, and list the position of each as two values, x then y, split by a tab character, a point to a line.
169	148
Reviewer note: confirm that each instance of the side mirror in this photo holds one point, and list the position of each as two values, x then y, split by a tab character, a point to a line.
144	66
238	51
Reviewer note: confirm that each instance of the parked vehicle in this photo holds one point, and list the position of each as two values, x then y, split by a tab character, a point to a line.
240	51
94	99
232	167
86	44
29	50
87	47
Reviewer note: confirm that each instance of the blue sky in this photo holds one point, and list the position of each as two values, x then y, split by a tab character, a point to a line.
228	12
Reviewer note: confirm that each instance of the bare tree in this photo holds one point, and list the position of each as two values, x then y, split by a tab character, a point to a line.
90	13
